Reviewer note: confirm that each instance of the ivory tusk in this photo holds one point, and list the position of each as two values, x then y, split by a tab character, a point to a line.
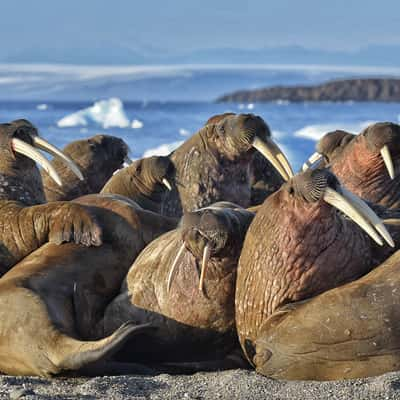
275	156
337	200
387	159
204	266
27	150
172	271
376	222
312	159
54	151
166	183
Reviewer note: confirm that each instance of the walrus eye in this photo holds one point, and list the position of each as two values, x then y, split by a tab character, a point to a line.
221	129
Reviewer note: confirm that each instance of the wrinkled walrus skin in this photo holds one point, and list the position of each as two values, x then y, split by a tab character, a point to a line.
97	157
53	301
143	182
193	324
352	331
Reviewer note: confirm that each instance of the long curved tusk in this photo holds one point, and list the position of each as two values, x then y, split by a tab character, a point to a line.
312	159
54	151
387	159
172	271
337	200
376	222
27	150
275	156
204	266
166	183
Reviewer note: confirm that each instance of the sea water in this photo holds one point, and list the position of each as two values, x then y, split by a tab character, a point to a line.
155	108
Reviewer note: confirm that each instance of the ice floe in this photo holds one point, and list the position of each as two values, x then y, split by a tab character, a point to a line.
106	113
184	132
162	150
136	124
42	107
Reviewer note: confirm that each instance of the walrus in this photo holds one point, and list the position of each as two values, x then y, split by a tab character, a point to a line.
264	178
367	164
53	300
352	331
184	283
214	164
25	224
299	246
98	157
145	181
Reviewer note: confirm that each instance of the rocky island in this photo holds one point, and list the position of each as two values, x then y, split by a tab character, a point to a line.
371	89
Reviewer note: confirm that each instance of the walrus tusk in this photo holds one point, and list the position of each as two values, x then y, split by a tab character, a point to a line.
54	151
172	271
27	150
365	210
275	156
204	266
387	159
337	200
166	183
312	160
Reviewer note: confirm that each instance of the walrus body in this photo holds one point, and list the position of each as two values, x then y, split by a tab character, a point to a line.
145	181
193	324
98	157
214	164
298	246
352	331
58	294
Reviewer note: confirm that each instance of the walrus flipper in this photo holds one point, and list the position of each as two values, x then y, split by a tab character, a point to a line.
78	354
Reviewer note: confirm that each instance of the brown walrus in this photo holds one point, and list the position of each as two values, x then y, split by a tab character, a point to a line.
145	181
23	228
184	283
352	331
214	164
299	246
98	157
367	164
52	302
264	178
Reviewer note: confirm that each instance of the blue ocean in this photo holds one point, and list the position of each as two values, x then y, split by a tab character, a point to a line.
155	108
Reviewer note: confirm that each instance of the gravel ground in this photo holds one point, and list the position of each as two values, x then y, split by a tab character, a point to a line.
234	384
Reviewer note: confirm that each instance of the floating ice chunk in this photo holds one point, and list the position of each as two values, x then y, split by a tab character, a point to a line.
184	132
136	124
281	102
250	106
315	132
162	150
241	106
42	107
107	113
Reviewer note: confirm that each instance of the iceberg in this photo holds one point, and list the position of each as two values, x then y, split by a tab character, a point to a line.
184	132
162	150
136	124
107	113
315	132
42	107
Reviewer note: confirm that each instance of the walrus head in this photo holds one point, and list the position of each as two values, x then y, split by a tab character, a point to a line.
212	233
298	245
154	171
238	134
98	157
368	164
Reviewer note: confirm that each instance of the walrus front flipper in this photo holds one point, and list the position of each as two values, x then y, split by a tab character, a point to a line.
76	354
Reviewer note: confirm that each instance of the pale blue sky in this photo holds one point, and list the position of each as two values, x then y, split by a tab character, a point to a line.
184	25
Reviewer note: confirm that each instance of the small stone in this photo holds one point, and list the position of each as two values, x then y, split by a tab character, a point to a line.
20	393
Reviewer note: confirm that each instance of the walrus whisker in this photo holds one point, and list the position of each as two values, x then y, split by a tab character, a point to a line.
167	184
27	150
275	156
42	144
365	210
313	159
338	201
172	271
387	159
204	266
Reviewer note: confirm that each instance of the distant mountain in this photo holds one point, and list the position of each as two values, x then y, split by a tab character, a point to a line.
371	55
338	90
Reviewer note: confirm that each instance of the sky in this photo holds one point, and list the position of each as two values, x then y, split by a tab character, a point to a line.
150	26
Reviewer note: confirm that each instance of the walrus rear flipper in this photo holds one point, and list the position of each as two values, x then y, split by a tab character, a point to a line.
78	354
